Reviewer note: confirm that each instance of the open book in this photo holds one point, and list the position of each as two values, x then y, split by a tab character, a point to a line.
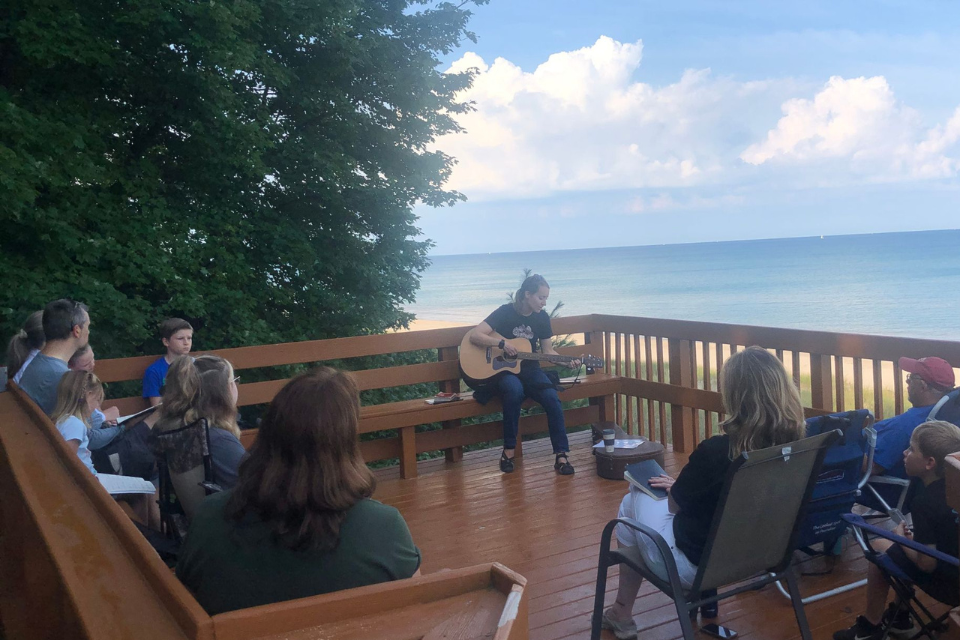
116	485
639	473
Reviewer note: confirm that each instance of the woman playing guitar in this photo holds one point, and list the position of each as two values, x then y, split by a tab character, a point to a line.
525	318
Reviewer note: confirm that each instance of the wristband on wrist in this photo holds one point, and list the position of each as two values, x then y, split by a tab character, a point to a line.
502	343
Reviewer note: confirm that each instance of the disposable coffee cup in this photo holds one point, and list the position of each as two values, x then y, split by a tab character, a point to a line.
609	435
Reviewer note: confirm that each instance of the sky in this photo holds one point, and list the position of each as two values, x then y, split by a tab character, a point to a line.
636	122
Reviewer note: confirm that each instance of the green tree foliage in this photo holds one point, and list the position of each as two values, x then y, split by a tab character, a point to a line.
249	166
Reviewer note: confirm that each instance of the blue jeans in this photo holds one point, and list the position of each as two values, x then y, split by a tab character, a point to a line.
513	391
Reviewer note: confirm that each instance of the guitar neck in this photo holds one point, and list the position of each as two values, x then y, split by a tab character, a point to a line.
545	357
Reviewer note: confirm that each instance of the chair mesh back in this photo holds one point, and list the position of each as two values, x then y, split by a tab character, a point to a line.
184	450
753	528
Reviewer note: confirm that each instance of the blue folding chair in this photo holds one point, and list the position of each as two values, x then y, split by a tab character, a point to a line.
948	408
837	488
903	585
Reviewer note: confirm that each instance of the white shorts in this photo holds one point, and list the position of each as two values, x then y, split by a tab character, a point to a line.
638	506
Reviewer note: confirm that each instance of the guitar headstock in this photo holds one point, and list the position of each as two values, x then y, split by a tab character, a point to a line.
591	362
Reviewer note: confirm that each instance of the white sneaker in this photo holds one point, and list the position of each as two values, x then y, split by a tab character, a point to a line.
623	630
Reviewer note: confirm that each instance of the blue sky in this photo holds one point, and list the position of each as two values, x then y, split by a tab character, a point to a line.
625	123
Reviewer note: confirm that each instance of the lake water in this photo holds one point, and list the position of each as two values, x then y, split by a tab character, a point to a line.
899	284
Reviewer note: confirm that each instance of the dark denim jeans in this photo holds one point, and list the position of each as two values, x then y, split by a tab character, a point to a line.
512	391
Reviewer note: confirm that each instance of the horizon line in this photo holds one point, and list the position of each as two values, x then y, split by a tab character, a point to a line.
703	242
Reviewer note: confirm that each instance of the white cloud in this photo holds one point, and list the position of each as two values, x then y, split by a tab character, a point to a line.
581	121
859	123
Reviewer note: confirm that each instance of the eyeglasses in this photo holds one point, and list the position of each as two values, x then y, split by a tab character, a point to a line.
914	378
236	380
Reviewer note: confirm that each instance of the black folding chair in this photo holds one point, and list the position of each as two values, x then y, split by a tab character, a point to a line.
186	474
903	586
771	486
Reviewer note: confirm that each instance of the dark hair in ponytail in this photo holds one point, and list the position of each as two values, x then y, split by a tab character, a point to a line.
531	284
24	341
198	388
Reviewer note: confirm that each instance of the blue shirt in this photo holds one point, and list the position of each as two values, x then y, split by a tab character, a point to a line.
154	378
40	380
72	428
893	437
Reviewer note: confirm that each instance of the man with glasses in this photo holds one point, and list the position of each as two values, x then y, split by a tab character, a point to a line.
66	326
928	380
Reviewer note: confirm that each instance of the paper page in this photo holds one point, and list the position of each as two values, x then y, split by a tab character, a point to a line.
116	485
622	444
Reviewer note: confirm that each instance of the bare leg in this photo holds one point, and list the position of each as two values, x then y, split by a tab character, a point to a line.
877	587
627	590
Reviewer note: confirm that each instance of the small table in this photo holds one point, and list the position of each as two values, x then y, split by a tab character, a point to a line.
611	465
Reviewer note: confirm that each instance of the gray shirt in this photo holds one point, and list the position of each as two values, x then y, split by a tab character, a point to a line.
40	380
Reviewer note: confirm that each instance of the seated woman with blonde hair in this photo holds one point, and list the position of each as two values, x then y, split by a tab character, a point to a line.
205	387
300	521
763	409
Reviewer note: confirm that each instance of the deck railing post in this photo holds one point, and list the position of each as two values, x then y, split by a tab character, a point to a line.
593	345
444	354
408	452
821	382
681	374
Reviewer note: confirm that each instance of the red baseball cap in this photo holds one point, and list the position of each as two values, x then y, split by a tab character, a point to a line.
933	370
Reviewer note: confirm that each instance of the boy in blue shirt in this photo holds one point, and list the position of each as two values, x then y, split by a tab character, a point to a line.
934	525
177	336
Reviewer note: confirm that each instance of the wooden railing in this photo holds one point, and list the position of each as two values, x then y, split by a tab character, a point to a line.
666	377
669	371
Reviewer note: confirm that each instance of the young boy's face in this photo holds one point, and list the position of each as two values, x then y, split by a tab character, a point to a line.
914	461
180	343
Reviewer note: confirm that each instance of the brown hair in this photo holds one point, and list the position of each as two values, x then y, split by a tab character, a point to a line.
198	388
531	284
305	469
61	316
171	325
936	439
28	338
72	392
761	402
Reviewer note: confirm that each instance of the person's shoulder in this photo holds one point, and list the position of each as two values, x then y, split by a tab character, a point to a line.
716	444
369	510
71	425
213	506
158	365
909	418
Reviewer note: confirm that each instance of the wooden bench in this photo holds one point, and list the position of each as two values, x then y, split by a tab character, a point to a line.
402	417
73	566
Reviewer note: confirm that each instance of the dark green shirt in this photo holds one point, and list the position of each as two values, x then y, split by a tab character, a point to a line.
229	565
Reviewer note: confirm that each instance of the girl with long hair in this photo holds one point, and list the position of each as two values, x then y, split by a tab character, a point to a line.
763	409
205	387
300	518
79	394
526	318
25	345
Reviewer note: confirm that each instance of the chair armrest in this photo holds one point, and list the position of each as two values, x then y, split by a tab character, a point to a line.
673	574
211	487
903	482
858	522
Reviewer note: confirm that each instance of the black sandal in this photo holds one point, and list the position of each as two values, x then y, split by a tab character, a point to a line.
563	468
506	464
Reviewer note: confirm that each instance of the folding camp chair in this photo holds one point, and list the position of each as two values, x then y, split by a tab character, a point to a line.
837	488
903	585
947	408
186	474
771	486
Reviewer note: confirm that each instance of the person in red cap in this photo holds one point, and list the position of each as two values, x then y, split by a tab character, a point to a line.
928	380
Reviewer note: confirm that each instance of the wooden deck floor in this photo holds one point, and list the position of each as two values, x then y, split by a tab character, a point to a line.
547	528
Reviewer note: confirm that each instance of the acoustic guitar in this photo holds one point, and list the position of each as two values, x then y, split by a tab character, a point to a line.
479	365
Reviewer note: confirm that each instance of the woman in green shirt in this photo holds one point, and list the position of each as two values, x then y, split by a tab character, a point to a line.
300	521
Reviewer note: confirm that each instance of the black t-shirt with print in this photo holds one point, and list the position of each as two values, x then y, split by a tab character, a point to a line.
535	327
934	522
